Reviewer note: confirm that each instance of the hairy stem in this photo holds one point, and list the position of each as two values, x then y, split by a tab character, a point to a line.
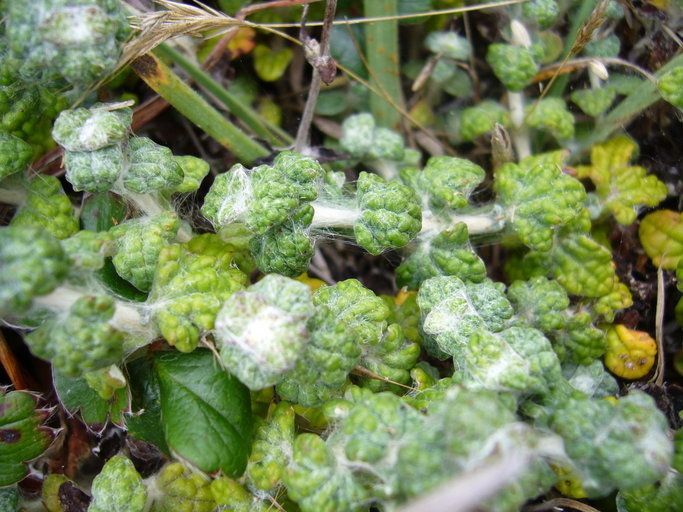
520	134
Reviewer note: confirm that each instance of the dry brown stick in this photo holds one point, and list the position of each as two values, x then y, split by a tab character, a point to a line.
560	502
20	379
251	9
324	70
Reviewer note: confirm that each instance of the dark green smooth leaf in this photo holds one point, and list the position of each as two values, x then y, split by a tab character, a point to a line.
112	280
100	213
343	47
413	7
206	412
21	437
75	395
144	422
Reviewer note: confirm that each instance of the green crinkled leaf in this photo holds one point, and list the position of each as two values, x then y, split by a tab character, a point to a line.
614	446
15	154
518	359
390	215
91	129
332	352
449	253
81	340
118	488
261	331
551	114
480	119
151	167
230	495
194	171
661	234
31	263
192	285
229	196
671	86
42	35
48	208
594	102
392	358
21	437
280	190
100	213
513	65
286	249
182	490
139	242
540	301
94	171
87	250
356	306
76	396
538	201
317	481
144	421
453	310
271	453
194	386
582	266
445	182
621	187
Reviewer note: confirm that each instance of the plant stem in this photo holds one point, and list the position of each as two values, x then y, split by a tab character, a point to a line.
14	197
320	62
520	135
261	127
383	57
168	85
334	217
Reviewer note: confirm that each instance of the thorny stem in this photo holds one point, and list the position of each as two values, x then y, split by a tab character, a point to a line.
320	61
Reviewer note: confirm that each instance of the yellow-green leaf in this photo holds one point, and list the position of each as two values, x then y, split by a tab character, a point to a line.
661	234
630	354
271	64
620	186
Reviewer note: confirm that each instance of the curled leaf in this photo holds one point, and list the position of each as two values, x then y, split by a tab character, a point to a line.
630	354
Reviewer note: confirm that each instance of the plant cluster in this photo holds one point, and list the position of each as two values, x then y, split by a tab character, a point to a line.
198	333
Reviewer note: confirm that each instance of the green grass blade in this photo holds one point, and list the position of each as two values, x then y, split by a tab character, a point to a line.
381	38
261	127
190	104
